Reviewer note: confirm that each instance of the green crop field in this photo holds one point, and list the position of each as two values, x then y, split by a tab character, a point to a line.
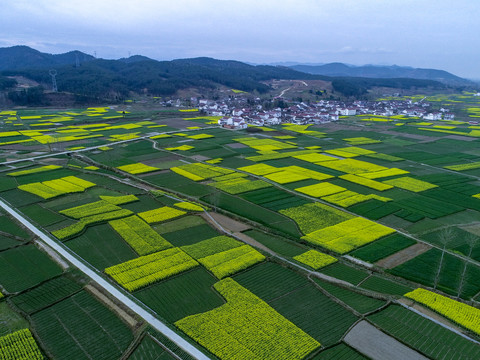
361	303
7	225
45	294
423	269
279	245
339	352
110	248
149	349
80	327
325	320
36	267
345	272
270	280
429	338
382	285
11	321
181	296
383	248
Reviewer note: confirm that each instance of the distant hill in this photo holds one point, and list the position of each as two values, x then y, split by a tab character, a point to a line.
115	79
24	57
377	71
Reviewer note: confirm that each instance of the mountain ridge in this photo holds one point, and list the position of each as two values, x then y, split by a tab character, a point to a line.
381	71
82	74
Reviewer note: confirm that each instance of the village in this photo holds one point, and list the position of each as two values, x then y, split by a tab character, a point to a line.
239	112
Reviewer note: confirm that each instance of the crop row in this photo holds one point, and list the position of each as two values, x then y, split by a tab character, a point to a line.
341	153
52	188
190	206
356	150
229	262
410	184
160	214
315	158
349	198
315	259
45	294
234	175
240	185
376	185
146	270
348	235
320	189
463	167
137	168
19	345
276	155
246	328
352	166
211	246
119	200
95	208
259	169
199	171
264	144
462	314
139	235
383	173
79	226
315	216
80	327
361	141
35	170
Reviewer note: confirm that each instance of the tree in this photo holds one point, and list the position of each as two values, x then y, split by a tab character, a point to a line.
30	96
471	240
446	236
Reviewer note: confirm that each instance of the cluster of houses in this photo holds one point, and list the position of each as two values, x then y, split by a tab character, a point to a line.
238	113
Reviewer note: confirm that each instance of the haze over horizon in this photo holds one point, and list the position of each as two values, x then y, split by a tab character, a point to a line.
420	33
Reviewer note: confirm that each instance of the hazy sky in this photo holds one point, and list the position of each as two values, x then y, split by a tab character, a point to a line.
420	33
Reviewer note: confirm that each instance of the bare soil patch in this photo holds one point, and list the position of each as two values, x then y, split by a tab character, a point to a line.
403	256
227	223
377	345
110	304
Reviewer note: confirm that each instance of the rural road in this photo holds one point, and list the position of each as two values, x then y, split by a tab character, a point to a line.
102	145
109	288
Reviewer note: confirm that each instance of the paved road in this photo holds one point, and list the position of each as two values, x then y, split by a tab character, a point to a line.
112	290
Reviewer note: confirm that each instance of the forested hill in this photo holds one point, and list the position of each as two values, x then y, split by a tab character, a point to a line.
24	57
377	71
80	73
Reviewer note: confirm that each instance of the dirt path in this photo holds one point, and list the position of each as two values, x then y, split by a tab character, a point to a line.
430	314
251	241
377	345
53	254
120	312
284	91
403	256
225	222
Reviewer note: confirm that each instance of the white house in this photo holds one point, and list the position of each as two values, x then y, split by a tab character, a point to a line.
433	116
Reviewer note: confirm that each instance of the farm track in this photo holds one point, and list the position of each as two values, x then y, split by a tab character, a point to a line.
410	304
403	256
